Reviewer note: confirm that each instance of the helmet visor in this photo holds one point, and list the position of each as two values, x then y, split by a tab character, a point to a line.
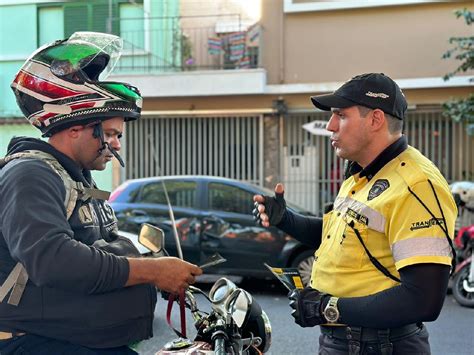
83	50
125	91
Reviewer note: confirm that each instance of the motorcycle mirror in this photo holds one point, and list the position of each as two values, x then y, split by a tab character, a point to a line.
238	305
151	237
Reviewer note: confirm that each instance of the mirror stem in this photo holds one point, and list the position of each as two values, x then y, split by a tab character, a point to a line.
173	223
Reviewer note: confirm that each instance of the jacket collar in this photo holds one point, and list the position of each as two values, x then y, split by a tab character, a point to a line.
19	144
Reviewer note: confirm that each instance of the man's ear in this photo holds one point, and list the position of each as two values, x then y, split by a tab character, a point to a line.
378	119
74	131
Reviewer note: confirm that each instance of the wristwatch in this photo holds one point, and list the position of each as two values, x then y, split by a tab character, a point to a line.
331	313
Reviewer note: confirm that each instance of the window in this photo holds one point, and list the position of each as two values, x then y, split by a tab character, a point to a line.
95	16
121	18
132	26
51	24
180	193
230	199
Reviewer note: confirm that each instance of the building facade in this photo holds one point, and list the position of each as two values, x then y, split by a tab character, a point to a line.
231	100
247	123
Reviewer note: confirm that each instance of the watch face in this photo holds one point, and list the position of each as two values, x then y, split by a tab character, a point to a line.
331	314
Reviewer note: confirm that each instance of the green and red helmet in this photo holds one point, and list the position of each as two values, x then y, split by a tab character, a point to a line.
62	84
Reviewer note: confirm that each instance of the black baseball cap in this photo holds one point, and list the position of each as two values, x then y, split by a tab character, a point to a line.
373	90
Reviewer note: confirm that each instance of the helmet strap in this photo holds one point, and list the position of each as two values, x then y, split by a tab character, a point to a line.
98	132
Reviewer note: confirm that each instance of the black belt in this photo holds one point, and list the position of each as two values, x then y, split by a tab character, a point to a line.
370	334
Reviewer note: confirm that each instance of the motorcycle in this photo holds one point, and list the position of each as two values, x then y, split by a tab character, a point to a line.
236	323
463	277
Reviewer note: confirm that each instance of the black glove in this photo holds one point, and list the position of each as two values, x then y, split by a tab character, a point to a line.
275	207
307	306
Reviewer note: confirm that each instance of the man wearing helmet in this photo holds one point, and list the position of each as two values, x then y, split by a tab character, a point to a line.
69	295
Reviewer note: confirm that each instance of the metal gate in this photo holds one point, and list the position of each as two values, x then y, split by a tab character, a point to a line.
312	173
224	145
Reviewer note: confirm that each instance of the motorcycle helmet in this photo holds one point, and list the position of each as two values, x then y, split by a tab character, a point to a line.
62	84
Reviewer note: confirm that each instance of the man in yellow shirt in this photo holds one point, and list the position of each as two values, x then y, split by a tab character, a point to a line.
384	250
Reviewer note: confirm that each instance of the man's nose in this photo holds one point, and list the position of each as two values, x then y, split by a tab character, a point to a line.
115	143
331	126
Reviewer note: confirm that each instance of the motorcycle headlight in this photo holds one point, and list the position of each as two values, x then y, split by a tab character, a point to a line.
247	314
264	330
238	305
249	317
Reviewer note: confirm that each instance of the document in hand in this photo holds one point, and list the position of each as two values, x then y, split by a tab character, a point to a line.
289	277
213	260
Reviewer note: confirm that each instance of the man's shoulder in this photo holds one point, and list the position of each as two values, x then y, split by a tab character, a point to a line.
27	164
26	169
413	167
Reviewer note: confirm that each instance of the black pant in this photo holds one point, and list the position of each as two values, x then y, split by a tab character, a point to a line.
416	343
36	345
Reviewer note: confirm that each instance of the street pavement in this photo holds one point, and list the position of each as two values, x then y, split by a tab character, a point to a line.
451	334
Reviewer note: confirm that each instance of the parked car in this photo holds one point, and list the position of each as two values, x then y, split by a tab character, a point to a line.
212	214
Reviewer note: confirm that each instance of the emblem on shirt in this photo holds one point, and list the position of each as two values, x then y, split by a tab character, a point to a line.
107	215
357	216
86	214
426	224
377	188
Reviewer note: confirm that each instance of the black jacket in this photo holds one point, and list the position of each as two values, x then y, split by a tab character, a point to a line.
75	291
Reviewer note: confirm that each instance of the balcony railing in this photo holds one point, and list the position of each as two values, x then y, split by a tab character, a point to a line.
178	45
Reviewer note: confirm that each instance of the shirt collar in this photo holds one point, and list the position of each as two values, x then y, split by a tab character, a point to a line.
389	153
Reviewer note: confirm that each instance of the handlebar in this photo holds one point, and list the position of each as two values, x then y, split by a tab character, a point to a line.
219	337
219	345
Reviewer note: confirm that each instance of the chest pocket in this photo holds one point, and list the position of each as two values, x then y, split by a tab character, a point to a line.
350	251
340	247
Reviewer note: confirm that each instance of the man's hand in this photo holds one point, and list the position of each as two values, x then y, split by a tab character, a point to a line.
269	210
307	306
169	274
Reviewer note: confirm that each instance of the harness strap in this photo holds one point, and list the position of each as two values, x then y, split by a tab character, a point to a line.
95	193
19	287
374	260
444	229
10	281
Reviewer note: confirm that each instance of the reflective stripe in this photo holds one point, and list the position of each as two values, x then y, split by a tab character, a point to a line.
424	246
376	219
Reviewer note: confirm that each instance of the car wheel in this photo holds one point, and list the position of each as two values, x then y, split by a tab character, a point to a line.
304	263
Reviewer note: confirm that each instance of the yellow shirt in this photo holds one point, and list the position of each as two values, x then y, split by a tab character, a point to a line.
395	227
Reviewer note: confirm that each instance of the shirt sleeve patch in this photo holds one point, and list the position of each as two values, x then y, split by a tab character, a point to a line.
422	246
